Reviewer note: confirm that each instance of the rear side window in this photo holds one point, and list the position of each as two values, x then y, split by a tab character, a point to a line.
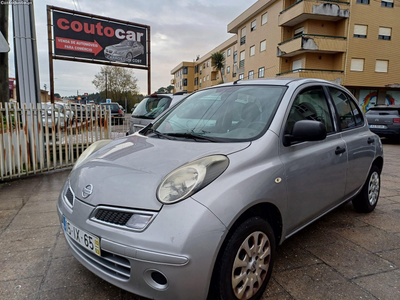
310	104
349	113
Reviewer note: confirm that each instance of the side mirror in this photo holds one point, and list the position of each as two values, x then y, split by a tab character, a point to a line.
305	131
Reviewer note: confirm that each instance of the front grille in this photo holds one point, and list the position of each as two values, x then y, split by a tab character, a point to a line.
113	265
69	195
113	217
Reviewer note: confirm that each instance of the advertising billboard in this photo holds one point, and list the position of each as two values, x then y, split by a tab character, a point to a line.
98	38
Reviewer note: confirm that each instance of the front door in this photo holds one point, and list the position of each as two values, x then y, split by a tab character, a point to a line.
315	171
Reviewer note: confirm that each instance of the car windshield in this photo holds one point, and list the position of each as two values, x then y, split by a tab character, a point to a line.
126	43
112	107
233	113
151	107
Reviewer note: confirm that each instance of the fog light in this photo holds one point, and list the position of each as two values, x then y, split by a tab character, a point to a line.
138	221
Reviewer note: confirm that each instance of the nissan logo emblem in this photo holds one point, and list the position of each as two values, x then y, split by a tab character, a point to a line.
87	191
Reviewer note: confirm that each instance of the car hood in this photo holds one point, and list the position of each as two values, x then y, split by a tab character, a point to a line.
118	47
128	171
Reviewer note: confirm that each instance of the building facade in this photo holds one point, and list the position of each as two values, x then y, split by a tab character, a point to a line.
353	43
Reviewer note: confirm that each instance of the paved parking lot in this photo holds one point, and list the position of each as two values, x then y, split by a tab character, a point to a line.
344	255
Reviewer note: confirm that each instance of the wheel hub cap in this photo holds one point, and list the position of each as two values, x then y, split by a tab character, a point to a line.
373	188
251	265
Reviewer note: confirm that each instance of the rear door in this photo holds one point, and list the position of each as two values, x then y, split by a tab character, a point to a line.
315	171
360	142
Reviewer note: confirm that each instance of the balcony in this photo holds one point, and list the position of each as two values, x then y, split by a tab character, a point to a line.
172	81
330	75
329	10
311	43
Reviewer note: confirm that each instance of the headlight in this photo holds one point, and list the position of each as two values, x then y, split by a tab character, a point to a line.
90	150
190	178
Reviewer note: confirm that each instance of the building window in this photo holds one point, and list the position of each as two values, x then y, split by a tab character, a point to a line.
208	63
235	58
264	19
253	25
251	74
385	33
208	77
204	79
228	52
243	36
263	46
200	80
357	64
381	66
196	69
241	76
360	31
196	81
185	70
242	56
228	69
297	65
298	32
261	72
184	81
363	1
233	74
204	65
387	3
252	50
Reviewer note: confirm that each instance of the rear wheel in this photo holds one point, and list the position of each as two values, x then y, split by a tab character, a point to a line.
245	265
129	57
367	199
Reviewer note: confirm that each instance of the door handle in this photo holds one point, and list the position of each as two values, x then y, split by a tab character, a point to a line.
340	150
370	140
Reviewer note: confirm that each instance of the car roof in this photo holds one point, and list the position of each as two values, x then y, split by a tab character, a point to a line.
277	81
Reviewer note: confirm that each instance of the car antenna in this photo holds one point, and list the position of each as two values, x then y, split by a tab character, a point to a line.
235	82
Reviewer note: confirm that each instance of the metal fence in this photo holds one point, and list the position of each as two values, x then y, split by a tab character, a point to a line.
44	137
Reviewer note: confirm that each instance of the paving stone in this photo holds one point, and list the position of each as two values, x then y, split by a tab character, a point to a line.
319	282
39	207
20	289
35	220
383	286
393	256
28	239
67	272
351	260
281	296
392	209
385	192
371	238
385	201
12	203
45	196
382	220
289	258
273	288
103	291
62	248
7	215
394	198
25	264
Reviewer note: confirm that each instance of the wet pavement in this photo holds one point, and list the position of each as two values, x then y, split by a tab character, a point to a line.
344	255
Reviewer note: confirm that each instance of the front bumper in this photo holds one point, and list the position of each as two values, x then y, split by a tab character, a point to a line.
181	243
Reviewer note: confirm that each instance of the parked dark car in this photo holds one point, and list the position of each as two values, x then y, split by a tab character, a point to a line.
117	115
384	120
79	111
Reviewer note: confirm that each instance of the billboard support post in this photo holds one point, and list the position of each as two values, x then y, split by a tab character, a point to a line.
50	41
148	64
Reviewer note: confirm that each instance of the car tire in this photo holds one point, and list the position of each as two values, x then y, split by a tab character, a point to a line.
367	199
248	254
129	57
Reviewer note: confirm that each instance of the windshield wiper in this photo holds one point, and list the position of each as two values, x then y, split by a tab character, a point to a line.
193	136
159	134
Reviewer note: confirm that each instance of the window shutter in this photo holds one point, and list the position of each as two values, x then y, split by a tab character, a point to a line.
264	19
242	55
297	64
389	1
381	66
357	64
243	31
263	46
360	29
252	50
385	31
299	31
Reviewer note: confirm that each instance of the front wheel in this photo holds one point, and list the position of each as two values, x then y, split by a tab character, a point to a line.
245	265
366	200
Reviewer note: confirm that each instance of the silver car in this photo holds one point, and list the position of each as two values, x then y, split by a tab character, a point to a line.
124	51
196	204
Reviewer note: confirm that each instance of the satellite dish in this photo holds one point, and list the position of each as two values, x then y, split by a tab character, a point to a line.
4	47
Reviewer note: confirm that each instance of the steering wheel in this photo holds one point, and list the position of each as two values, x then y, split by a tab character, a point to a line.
258	125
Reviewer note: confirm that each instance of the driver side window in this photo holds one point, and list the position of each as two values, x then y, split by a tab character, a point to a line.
310	104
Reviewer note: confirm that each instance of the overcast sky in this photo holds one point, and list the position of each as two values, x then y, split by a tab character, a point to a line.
180	30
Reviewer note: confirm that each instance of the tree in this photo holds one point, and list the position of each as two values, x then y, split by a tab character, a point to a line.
116	83
218	62
165	90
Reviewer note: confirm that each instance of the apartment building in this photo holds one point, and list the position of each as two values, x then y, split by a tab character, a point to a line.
353	43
